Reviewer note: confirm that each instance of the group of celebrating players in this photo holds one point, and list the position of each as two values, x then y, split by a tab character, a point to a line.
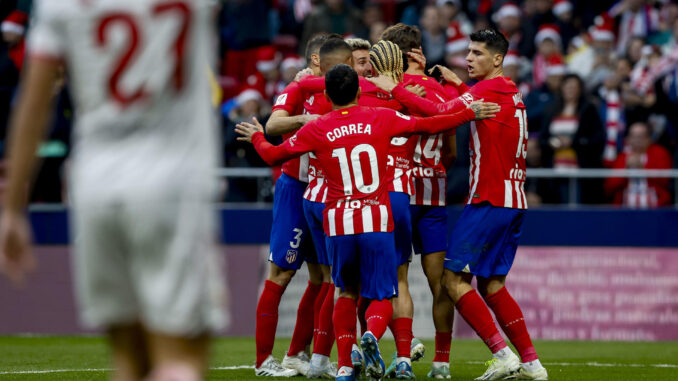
363	187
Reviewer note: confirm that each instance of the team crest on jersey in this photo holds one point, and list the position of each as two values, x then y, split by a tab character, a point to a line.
282	98
402	116
291	256
467	98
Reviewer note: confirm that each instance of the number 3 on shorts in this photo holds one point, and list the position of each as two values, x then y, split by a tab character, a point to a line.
297	238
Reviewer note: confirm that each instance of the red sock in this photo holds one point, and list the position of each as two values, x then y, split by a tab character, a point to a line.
443	341
319	300
378	316
344	319
363	303
325	336
402	332
267	319
511	321
476	314
303	328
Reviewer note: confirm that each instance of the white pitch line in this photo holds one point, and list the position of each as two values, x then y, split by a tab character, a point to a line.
575	364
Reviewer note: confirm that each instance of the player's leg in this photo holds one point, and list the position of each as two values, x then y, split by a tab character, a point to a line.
496	295
129	352
178	358
289	239
403	307
429	238
443	314
344	255
379	282
470	253
103	287
177	274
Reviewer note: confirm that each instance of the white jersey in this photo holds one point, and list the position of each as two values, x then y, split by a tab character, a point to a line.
138	71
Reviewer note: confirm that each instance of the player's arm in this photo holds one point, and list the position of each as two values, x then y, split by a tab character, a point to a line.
280	122
449	122
272	155
311	84
27	129
415	103
451	79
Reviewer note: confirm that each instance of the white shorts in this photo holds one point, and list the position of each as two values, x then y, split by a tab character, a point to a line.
150	262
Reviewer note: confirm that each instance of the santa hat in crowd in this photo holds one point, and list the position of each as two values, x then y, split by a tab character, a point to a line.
268	58
561	6
555	65
457	41
603	28
248	94
507	10
512	58
547	31
292	61
15	22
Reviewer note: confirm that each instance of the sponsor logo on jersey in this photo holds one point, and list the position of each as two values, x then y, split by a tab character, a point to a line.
291	256
282	98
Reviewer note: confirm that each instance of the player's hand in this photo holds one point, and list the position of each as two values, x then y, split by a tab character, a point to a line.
305	118
448	75
417	54
16	255
484	110
302	73
383	82
248	129
417	89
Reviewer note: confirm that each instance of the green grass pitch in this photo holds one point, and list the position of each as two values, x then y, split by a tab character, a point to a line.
85	358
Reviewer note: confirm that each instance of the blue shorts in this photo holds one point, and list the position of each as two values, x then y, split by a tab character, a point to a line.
484	240
291	242
314	217
366	261
429	228
400	207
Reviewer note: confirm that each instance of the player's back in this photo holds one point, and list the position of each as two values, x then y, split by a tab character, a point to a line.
352	147
138	71
498	146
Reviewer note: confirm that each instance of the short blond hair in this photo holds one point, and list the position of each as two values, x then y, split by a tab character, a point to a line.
358	44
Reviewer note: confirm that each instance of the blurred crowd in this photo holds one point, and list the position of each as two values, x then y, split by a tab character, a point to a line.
599	79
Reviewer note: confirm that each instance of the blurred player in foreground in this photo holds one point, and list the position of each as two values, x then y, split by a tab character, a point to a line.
484	240
142	177
351	143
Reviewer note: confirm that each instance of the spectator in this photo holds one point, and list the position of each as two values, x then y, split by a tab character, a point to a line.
640	153
332	16
508	19
249	103
456	47
376	30
538	99
371	14
595	62
450	12
289	67
548	44
562	10
572	136
433	37
636	18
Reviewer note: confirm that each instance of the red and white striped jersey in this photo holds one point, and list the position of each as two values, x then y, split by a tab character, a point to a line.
352	146
429	175
316	191
498	145
291	100
400	155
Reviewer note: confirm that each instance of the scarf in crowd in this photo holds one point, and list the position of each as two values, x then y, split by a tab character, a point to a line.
613	124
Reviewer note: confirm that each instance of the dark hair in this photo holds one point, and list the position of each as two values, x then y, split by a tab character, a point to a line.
333	45
341	84
494	41
313	45
407	37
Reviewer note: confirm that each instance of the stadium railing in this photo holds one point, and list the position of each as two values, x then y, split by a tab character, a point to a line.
572	174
